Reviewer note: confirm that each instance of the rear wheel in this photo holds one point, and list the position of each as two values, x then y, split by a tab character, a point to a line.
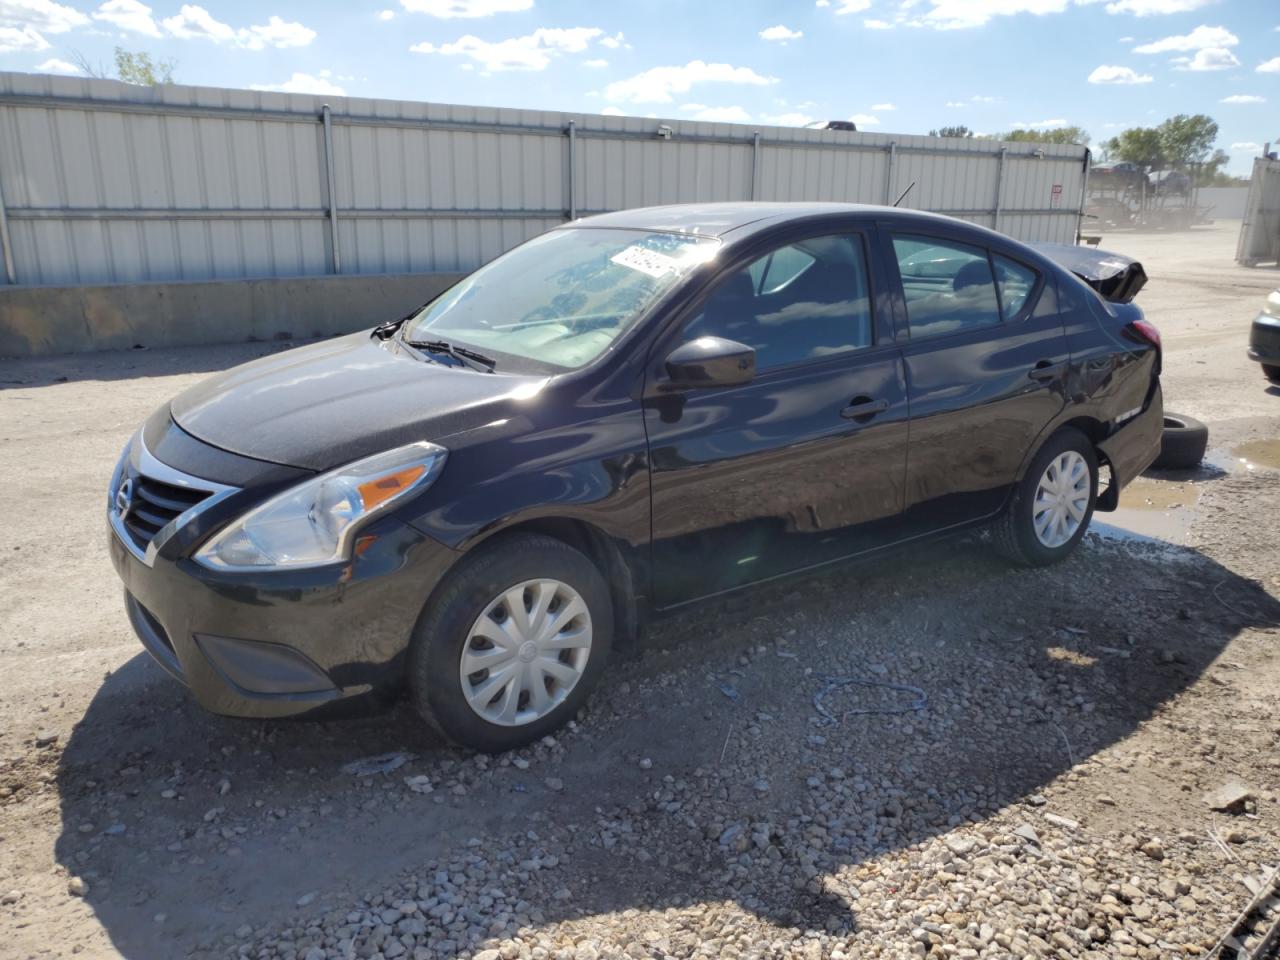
1053	503
511	644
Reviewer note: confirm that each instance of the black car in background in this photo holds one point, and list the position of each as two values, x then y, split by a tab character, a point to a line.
623	416
1264	338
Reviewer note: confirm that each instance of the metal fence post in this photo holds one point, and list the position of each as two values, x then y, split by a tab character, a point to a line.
333	188
995	220
1084	194
6	243
573	186
888	175
755	165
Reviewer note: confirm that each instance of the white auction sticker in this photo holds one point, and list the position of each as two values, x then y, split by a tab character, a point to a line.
646	261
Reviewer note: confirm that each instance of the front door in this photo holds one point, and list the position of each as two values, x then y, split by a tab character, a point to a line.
986	364
803	465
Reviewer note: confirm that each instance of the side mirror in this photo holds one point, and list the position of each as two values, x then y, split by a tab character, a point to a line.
711	362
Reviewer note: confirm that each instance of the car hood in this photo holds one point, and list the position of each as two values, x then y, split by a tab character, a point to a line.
329	403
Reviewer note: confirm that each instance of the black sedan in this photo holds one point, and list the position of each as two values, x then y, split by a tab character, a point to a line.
623	416
1264	338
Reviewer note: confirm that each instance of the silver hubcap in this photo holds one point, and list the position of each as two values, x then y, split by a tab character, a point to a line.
526	652
1062	498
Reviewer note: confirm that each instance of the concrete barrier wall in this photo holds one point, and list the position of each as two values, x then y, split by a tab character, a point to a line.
79	319
1228	203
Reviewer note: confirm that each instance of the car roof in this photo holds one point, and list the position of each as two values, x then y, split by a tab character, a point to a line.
719	219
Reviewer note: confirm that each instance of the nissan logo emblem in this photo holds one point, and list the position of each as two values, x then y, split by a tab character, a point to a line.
124	498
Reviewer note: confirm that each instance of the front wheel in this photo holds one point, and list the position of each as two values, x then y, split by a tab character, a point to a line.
1052	504
1271	372
511	643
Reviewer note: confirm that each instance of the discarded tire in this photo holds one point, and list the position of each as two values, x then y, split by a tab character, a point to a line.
1183	442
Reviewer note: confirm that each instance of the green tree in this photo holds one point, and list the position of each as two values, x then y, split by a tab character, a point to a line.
1057	135
1141	146
137	68
1187	140
959	131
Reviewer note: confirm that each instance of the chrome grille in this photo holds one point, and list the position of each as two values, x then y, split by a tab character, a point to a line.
149	500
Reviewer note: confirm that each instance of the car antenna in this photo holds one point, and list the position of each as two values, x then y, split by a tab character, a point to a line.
903	195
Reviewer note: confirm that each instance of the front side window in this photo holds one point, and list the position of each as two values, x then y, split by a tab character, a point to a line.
563	298
804	301
948	286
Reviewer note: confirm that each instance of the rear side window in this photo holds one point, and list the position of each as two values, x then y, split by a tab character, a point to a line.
804	301
948	286
1016	283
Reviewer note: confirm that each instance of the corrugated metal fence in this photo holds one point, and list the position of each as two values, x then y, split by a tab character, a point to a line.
103	182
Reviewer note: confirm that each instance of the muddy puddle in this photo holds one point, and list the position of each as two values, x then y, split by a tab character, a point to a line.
1162	506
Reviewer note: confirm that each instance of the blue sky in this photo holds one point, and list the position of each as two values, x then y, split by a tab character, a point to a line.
899	66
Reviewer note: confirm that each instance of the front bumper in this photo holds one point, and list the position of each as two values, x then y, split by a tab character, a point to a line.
1264	340
277	643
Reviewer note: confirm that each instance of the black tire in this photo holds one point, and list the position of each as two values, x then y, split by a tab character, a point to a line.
436	648
1271	372
1014	532
1182	444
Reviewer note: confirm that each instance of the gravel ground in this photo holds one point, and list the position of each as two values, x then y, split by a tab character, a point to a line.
933	755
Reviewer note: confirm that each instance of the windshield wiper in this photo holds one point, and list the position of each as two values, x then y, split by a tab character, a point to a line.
470	358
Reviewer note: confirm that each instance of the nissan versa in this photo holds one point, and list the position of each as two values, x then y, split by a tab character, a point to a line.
620	417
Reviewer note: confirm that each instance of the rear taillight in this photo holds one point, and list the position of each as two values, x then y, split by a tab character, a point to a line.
1147	330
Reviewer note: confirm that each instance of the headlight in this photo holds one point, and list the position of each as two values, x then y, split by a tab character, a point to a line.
311	524
1272	307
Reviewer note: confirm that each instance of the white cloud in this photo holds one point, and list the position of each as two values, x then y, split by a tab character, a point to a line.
1039	124
979	98
657	84
616	41
468	9
387	15
129	15
963	14
192	22
1243	98
14	39
595	63
1211	59
883	106
861	120
845	6
877	24
1270	66
1247	146
39	16
275	33
1200	38
780	32
533	52
58	66
304	83
1148	8
794	119
722	115
956	103
612	112
1111	74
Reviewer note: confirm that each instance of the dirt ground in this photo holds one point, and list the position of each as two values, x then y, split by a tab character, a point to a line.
1029	780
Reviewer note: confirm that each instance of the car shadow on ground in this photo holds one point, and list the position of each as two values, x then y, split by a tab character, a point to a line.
210	823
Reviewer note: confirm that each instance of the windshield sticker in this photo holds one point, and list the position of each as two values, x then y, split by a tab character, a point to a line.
647	261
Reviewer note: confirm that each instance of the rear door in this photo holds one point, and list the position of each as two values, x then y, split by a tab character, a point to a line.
804	464
986	358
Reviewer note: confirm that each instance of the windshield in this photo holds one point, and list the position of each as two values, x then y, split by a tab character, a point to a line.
562	298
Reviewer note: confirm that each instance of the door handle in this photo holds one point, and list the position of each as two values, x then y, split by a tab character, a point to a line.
1046	370
864	408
